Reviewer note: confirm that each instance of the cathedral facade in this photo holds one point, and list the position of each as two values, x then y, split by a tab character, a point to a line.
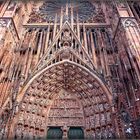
69	69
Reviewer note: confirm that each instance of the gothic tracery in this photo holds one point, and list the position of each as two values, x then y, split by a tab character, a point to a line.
69	67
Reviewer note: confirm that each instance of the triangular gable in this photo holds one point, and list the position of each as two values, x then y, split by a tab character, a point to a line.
50	53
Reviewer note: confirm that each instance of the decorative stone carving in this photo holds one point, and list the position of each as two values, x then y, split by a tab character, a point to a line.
86	10
60	73
129	23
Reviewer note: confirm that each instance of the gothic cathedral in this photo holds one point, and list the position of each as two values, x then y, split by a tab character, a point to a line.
69	69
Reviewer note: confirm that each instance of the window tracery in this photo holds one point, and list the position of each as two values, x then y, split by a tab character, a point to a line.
81	39
87	12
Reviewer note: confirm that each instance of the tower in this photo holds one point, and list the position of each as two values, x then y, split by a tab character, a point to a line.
69	69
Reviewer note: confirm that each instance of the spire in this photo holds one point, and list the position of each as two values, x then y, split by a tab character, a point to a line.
68	46
67	12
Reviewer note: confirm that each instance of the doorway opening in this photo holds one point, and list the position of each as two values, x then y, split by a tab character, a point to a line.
75	133
54	133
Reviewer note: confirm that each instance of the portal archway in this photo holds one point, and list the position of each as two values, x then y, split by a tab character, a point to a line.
38	96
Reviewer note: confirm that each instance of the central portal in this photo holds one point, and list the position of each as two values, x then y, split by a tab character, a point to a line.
66	110
67	99
66	113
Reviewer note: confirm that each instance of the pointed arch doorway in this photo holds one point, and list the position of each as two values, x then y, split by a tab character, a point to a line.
81	86
66	111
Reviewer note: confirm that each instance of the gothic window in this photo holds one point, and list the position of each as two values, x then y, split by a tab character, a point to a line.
89	41
37	41
85	9
108	38
81	35
94	35
135	7
1	2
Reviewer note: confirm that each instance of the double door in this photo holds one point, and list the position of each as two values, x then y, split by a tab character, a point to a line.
73	133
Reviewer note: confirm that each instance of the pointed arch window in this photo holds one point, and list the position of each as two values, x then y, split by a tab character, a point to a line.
94	35
135	7
1	3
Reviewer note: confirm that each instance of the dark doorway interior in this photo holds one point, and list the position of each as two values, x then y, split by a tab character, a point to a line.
75	133
54	133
